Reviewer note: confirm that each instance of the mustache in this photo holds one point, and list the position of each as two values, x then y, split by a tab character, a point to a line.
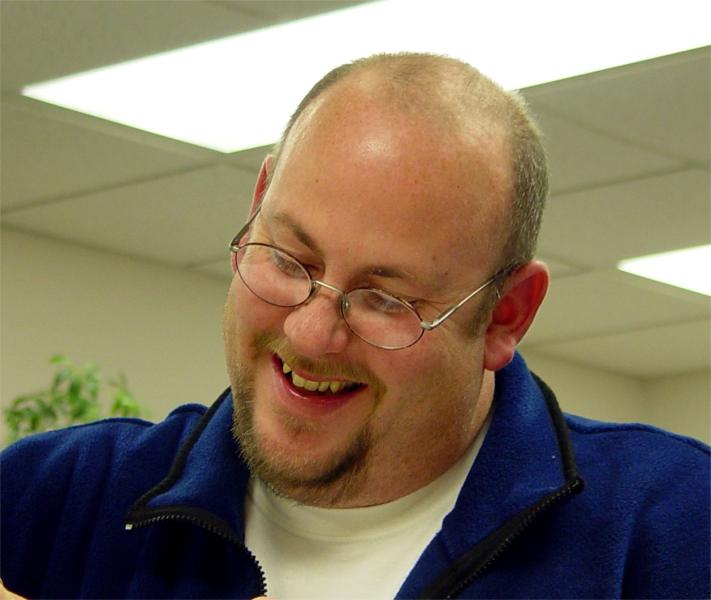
323	368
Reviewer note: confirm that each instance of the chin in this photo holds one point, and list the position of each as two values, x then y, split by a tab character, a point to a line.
294	458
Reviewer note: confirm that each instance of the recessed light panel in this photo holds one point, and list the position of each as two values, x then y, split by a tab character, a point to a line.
689	268
237	92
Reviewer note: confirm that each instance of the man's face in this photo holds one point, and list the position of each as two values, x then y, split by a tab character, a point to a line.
366	197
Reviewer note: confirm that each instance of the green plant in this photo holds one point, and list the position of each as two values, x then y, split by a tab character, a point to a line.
73	397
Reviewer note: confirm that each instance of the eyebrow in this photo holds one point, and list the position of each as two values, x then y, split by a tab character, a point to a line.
386	271
298	231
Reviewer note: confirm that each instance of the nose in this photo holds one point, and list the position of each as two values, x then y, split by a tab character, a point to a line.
316	328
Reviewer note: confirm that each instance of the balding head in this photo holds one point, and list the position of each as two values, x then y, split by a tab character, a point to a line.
457	99
394	176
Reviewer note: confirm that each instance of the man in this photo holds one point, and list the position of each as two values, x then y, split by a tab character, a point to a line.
391	441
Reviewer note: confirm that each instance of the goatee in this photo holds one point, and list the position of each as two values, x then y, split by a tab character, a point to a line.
318	482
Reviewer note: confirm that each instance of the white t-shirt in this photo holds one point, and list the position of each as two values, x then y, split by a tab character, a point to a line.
348	553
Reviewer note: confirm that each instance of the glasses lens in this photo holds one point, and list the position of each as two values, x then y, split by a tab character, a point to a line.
382	319
273	275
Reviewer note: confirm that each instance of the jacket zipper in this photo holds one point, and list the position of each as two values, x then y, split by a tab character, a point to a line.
572	487
129	526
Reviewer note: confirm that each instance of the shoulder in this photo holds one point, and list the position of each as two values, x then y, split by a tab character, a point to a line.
117	431
625	440
648	490
641	472
54	459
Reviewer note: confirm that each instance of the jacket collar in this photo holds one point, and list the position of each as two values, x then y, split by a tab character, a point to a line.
524	458
207	482
524	468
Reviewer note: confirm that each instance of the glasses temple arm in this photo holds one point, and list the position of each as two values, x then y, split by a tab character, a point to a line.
450	311
241	233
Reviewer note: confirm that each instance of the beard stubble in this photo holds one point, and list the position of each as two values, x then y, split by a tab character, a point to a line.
325	481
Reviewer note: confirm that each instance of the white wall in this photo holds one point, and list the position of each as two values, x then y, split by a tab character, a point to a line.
162	327
681	403
590	392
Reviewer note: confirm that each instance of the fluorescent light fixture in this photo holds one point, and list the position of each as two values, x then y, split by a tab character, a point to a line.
689	268
237	92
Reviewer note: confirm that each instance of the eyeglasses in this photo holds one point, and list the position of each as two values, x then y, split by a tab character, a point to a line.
375	316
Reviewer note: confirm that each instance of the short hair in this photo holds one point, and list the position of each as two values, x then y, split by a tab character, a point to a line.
415	80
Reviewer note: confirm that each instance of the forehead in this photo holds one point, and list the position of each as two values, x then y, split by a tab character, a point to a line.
366	177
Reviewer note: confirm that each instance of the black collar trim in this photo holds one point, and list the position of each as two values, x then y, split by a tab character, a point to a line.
471	565
140	511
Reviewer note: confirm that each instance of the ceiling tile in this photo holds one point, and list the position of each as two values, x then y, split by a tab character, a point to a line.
251	159
44	39
606	303
44	158
180	220
599	227
645	353
580	158
279	11
558	268
662	104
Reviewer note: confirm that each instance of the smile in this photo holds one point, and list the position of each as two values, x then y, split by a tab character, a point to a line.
322	386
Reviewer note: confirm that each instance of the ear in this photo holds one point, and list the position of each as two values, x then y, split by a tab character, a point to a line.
260	189
513	314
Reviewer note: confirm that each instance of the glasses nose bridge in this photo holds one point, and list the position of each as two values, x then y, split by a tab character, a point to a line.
316	283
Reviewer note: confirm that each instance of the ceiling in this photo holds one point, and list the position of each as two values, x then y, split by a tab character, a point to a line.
629	150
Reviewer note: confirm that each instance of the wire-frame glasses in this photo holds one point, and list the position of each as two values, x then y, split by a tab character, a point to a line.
375	316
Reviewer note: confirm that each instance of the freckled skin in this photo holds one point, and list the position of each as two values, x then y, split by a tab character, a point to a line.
372	185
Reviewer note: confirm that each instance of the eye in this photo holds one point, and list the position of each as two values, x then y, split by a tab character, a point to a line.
286	265
383	303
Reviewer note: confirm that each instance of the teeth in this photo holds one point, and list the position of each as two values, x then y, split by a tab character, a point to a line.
312	386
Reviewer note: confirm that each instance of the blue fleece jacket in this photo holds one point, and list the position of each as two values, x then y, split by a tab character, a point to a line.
127	509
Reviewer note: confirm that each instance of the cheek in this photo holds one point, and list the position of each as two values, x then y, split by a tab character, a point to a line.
245	312
245	316
408	370
434	363
422	394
